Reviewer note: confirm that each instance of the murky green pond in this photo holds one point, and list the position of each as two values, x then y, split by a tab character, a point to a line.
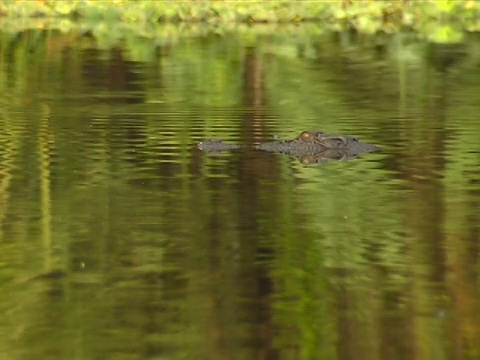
119	239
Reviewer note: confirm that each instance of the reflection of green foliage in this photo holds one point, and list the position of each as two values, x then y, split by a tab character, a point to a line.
446	34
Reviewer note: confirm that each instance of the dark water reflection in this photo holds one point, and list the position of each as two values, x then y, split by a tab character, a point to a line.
120	240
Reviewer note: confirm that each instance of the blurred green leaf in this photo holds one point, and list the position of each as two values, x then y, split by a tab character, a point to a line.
446	34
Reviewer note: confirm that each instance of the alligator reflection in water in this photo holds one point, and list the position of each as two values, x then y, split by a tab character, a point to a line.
310	147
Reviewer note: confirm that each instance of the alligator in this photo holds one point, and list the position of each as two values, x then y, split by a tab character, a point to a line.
310	147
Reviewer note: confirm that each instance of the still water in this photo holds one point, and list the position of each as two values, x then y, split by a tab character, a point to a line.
119	239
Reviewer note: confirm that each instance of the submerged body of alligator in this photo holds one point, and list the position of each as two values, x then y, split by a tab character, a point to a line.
310	147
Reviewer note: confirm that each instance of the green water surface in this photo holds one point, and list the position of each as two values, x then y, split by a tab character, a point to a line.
119	239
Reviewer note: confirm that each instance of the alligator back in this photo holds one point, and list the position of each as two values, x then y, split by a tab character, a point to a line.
216	146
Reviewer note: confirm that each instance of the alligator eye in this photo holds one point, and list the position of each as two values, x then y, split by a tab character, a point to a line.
306	136
307	159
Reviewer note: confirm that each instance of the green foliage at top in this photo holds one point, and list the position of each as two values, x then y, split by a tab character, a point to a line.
364	16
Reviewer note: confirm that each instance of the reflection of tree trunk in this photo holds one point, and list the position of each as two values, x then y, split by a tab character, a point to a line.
253	79
462	250
253	94
257	167
235	291
253	170
116	76
465	329
10	147
45	143
425	214
346	348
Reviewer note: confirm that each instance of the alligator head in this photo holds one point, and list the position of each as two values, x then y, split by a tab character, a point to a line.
313	147
307	142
